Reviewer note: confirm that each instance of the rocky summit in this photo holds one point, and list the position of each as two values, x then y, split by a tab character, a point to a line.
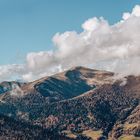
77	104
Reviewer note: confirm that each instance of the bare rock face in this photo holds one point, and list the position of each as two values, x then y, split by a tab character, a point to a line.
79	103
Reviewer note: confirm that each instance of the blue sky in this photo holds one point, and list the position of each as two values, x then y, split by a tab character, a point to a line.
29	25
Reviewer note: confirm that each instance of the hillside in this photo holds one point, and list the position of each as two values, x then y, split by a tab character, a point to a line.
8	86
44	91
11	129
79	103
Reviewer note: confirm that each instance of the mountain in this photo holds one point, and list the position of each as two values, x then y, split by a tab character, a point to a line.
8	86
79	103
40	93
11	129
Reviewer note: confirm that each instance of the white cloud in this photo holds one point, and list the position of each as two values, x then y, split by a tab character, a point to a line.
16	91
100	45
28	76
135	12
92	24
11	71
126	15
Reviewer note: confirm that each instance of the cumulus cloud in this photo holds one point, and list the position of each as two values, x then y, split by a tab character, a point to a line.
100	46
11	71
135	12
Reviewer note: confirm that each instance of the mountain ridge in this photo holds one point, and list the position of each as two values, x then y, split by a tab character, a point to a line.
79	102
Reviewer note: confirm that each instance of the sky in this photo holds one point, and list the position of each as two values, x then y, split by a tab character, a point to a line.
29	25
43	37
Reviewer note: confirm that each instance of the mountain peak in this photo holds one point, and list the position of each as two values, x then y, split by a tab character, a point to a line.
79	68
78	99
